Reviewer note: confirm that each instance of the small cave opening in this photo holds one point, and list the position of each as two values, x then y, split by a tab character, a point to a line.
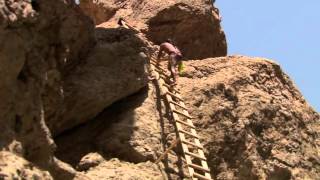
197	34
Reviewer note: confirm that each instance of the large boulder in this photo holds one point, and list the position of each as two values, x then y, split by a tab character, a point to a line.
38	42
254	122
193	25
99	10
114	69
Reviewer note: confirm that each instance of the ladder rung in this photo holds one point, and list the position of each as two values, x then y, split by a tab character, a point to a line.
188	133
153	60
158	67
185	123
183	114
196	156
201	176
192	144
175	96
199	167
171	88
164	77
160	72
177	104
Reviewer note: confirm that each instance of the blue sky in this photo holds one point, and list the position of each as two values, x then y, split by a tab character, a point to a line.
285	31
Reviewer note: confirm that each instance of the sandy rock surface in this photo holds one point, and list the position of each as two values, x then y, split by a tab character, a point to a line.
15	167
193	25
38	42
75	97
114	69
99	11
119	170
128	130
254	122
90	160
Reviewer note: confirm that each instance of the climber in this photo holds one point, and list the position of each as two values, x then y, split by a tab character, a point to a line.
175	57
123	23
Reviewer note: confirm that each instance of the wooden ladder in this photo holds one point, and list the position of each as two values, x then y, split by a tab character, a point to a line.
188	138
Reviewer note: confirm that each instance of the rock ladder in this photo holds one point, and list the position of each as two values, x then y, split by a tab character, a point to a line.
188	138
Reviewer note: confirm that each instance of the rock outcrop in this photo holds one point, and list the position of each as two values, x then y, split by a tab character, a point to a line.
193	25
128	130
115	68
254	122
38	42
88	89
100	10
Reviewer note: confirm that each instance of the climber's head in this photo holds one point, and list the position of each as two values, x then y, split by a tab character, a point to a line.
169	41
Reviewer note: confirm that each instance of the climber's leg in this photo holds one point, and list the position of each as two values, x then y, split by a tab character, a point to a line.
172	66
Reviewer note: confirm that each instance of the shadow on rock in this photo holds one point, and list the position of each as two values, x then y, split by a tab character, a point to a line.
109	134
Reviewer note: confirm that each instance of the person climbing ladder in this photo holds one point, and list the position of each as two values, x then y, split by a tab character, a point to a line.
175	57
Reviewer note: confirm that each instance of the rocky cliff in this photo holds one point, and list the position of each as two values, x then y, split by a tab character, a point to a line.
76	102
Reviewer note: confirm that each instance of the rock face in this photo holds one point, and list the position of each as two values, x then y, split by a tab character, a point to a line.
128	130
193	25
99	11
115	169
38	41
254	122
114	69
15	167
88	89
89	161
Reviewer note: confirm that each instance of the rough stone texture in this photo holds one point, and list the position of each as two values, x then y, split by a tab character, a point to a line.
100	10
193	24
119	170
254	122
114	69
90	160
128	130
36	45
15	167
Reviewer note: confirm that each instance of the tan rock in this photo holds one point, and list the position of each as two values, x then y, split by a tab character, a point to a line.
37	44
252	118
90	160
15	167
193	25
128	130
114	69
115	169
99	10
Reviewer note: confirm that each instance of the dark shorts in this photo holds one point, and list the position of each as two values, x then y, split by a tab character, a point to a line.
174	59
